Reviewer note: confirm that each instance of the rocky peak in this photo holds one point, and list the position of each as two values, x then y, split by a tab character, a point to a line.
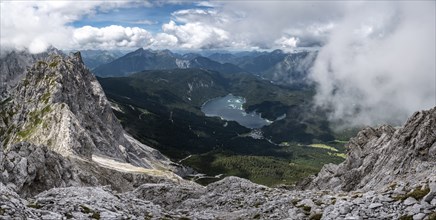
60	104
13	67
381	156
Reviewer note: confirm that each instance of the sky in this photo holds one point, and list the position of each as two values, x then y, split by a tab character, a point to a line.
189	25
375	62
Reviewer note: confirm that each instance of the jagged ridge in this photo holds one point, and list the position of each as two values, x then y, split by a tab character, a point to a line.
59	104
385	155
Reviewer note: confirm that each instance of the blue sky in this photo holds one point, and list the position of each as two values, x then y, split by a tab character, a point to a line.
150	18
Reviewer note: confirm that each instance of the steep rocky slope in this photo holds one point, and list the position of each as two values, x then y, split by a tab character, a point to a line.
13	66
60	105
385	155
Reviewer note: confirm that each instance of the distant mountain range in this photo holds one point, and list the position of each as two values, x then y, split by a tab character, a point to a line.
95	58
141	59
276	66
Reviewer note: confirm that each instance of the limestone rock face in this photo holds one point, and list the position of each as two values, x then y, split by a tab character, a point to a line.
60	104
230	198
61	113
385	155
30	169
13	67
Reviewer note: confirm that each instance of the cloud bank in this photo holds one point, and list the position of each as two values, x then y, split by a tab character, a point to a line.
217	25
111	37
36	25
378	64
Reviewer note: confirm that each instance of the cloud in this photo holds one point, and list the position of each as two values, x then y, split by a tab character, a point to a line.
197	35
144	21
38	24
163	40
238	25
266	24
287	42
378	65
206	4
111	37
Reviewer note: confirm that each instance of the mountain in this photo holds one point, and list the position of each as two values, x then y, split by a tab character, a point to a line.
59	110
263	62
223	57
95	58
206	63
277	66
292	70
13	65
381	156
234	57
141	59
137	61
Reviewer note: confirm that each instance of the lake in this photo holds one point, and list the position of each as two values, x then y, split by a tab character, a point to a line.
230	108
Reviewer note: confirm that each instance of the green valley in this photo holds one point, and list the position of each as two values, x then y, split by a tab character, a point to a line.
162	108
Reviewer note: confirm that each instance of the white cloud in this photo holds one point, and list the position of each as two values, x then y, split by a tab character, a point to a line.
111	37
287	42
379	63
206	4
262	24
197	35
163	40
144	21
38	24
210	17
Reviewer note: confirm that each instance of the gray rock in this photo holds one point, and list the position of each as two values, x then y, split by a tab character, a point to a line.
378	157
72	136
416	208
410	201
419	216
375	205
432	194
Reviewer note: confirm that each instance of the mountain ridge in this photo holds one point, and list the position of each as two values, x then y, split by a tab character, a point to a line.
60	105
141	59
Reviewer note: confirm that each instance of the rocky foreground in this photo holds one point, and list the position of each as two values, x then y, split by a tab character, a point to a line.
231	198
64	155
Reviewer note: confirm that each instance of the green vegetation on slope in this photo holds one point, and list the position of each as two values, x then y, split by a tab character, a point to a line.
161	108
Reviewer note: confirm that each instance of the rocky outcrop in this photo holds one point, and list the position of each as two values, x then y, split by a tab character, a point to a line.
59	108
383	156
30	169
13	67
230	198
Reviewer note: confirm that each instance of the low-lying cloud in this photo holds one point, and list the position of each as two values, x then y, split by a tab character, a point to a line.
378	65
